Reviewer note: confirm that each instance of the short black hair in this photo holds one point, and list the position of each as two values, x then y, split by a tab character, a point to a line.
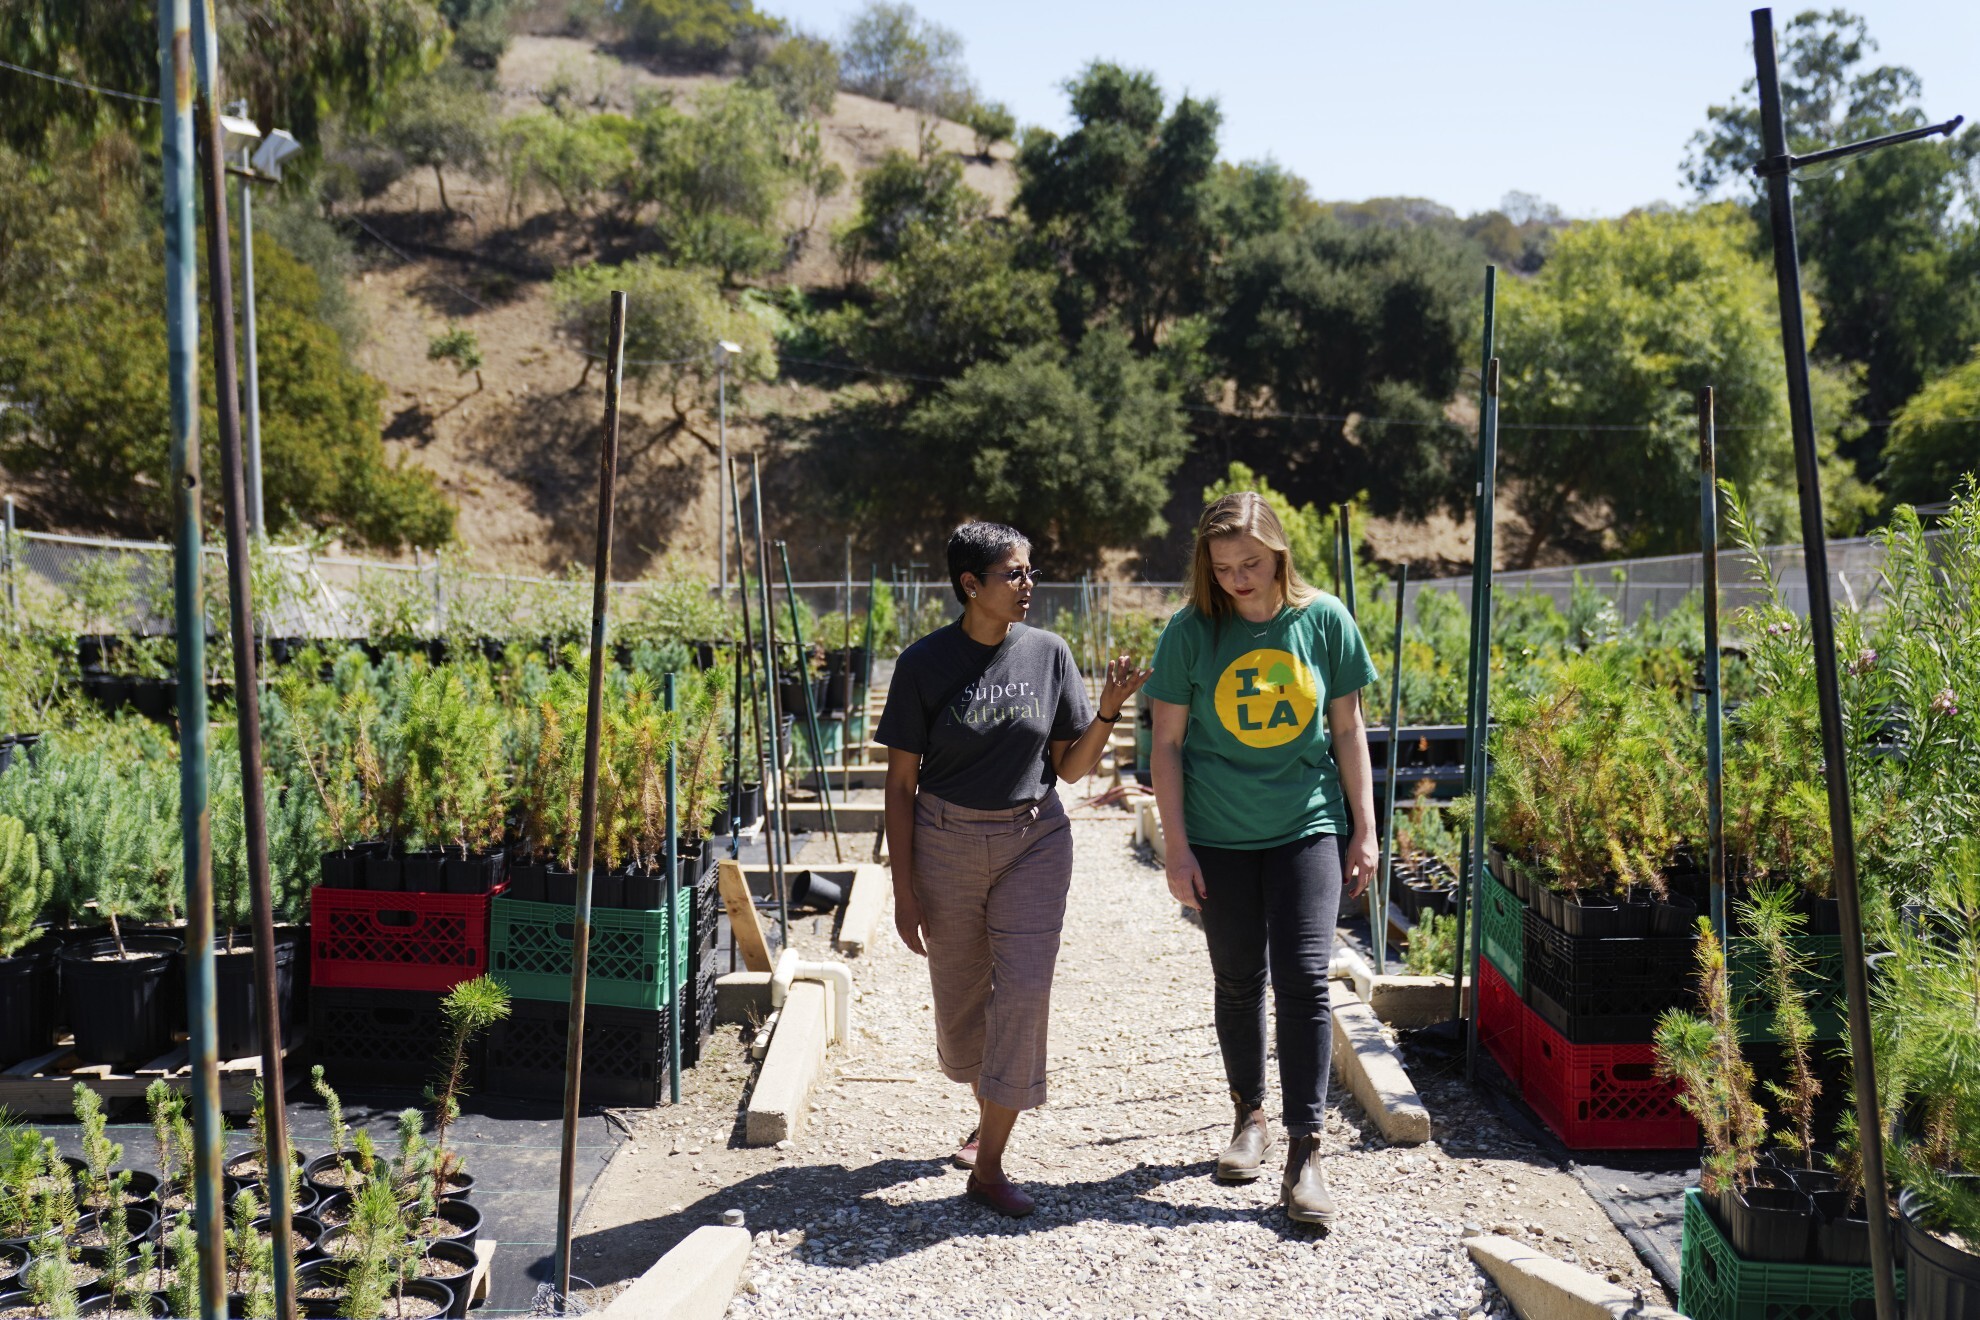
974	546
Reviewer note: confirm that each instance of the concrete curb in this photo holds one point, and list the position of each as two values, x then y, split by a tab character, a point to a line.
742	997
1373	1070
791	1068
866	906
695	1281
1148	829
1542	1288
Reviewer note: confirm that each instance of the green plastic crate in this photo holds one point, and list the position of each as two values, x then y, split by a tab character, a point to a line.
1502	931
530	951
1715	1283
1821	985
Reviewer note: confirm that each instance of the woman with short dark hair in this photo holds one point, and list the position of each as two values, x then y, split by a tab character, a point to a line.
983	717
1261	771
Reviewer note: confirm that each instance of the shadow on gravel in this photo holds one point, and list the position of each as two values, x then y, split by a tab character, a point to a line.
875	1230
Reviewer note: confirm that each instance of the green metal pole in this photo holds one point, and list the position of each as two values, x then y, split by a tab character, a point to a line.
1488	436
677	930
1478	656
1715	755
811	708
1347	559
1378	919
190	56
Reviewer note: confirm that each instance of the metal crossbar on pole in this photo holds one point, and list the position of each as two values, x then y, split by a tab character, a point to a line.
594	712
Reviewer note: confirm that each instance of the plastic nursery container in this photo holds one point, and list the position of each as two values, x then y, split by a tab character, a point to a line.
396	941
1716	1283
1820	982
379	1037
531	951
1600	1097
1501	1020
1502	931
1598	990
625	1053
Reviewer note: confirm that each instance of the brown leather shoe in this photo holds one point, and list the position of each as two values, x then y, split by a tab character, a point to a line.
1304	1189
1251	1140
1006	1198
965	1156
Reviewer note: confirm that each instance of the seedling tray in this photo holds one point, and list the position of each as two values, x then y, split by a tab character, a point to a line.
531	951
625	1054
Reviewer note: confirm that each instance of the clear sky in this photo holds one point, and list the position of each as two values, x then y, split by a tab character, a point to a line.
1588	105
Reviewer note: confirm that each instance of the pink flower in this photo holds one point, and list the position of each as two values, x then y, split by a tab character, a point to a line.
1944	703
1865	661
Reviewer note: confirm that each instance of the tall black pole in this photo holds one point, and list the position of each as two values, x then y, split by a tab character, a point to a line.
1715	707
1822	629
594	712
779	877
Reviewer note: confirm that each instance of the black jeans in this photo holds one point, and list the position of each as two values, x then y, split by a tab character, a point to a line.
1276	907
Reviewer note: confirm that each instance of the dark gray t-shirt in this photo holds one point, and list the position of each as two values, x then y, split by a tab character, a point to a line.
983	718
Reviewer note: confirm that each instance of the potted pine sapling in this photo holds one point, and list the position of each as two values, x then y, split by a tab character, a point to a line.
54	1275
27	974
349	1160
105	1188
171	1148
469	1010
702	761
178	1273
1774	925
250	1259
20	1180
552	766
1432	949
237	1001
249	1168
644	733
1702	1053
446	744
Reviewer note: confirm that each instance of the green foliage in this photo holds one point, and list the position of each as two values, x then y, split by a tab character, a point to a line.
25	886
992	122
699	33
577	158
717	179
948	300
1309	532
1334	320
1122	205
1076	449
1935	441
802	73
1701	1051
892	54
704	709
442	122
904	194
673	320
107	827
469	1010
1621	329
1775	926
481	30
457	345
1432	948
439	776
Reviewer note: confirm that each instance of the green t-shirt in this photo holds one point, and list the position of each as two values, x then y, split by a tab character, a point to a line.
1258	765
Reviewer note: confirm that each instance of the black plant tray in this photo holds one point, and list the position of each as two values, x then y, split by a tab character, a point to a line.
1605	990
380	1037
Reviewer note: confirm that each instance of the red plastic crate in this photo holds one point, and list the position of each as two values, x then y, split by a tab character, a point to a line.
1600	1097
1501	1020
361	940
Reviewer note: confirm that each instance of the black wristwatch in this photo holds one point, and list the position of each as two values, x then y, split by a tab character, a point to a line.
1104	719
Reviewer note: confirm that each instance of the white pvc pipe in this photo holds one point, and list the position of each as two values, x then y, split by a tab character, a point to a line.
836	975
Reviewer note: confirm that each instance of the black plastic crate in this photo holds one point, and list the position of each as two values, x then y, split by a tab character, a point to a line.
381	1037
625	1054
1606	990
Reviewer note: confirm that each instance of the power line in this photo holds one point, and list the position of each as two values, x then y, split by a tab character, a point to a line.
71	82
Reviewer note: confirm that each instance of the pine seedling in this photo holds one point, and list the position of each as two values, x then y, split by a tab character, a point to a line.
182	1289
100	1154
242	1239
1702	1053
469	1009
25	886
117	1232
333	1109
1774	924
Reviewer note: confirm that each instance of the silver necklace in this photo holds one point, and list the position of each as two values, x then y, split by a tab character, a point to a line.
1267	628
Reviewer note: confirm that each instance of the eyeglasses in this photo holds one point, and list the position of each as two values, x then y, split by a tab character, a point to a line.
1020	576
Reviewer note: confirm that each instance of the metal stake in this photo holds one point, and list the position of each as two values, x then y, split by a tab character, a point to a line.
1488	452
594	712
13	585
1715	757
1776	168
237	502
780	858
1379	918
811	710
1479	656
1346	526
676	930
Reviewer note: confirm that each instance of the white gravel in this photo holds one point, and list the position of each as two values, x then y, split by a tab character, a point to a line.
862	1216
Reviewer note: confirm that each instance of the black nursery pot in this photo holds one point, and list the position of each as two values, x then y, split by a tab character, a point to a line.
237	1001
526	882
384	871
463	1260
479	874
1591	915
320	1275
1770	1223
1939	1278
560	886
121	1010
343	868
1676	915
425	871
643	890
1842	1234
27	1006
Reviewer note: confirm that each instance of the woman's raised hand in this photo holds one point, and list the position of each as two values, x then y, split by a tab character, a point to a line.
1123	681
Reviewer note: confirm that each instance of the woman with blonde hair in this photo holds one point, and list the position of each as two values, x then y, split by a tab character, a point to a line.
1268	812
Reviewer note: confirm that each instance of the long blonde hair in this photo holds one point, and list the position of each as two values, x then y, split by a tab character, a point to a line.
1240	514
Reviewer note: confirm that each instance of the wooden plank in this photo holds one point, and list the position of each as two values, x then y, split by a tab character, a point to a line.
484	1266
167	1063
41	1063
742	915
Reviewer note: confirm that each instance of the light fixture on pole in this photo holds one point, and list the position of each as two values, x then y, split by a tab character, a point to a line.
723	350
259	164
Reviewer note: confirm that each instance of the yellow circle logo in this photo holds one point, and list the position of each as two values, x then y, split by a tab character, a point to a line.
1267	698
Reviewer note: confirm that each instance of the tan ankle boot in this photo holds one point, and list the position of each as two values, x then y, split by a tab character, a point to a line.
1251	1141
1304	1190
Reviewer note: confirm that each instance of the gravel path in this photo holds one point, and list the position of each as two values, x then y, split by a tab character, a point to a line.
862	1215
